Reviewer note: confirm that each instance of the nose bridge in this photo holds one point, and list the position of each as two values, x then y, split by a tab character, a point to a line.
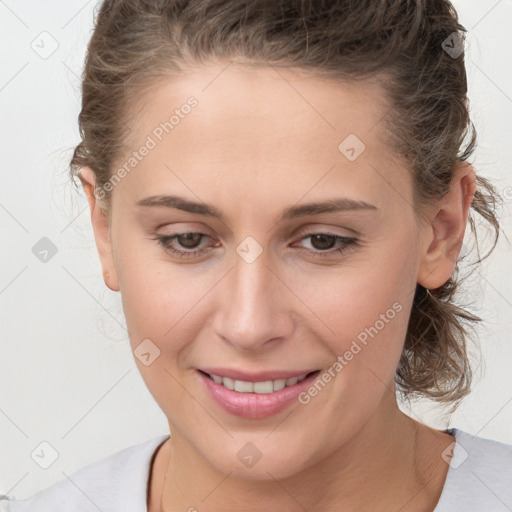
252	311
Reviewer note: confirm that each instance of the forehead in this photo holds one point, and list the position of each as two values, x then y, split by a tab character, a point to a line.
267	102
252	126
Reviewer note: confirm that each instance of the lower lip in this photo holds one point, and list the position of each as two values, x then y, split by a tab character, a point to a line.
255	405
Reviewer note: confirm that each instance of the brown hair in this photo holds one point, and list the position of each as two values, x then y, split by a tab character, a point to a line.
415	47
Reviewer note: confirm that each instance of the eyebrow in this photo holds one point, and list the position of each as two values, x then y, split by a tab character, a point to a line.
329	206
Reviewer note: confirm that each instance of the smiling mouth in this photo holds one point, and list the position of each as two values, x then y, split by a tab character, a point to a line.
263	387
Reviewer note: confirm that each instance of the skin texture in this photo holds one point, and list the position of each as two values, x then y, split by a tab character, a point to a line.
261	140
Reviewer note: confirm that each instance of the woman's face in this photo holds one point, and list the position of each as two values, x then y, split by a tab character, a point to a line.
265	290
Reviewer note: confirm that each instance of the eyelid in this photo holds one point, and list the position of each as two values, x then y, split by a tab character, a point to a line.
313	229
181	228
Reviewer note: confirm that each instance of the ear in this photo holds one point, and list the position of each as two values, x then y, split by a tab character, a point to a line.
101	227
445	232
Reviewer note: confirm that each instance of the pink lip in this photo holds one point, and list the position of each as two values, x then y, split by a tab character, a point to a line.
254	405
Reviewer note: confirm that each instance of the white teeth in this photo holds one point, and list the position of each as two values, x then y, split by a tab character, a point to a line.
263	387
243	387
280	384
268	386
228	383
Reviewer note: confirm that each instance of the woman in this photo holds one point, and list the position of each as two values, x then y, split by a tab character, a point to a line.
280	192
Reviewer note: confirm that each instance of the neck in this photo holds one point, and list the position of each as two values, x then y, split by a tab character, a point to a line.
386	465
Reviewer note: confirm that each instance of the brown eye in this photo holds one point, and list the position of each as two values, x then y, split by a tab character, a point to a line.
328	244
184	245
323	241
189	240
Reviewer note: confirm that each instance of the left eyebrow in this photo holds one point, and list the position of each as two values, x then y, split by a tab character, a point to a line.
329	206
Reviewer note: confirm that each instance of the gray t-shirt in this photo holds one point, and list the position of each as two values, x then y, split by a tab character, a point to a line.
480	476
479	479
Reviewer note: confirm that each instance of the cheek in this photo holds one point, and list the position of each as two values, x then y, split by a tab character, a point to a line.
364	310
157	293
162	311
160	304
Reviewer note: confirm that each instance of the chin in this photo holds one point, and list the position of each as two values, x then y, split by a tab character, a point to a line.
260	460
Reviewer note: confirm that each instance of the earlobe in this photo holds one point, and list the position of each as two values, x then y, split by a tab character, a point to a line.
101	228
445	233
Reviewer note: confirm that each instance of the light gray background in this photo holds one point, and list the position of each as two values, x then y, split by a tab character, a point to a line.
67	376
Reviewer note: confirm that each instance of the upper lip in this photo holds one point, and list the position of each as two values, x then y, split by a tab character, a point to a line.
262	376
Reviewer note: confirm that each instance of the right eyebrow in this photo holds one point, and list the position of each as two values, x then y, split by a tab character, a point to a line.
180	203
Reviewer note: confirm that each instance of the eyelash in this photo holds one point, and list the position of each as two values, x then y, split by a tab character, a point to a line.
348	243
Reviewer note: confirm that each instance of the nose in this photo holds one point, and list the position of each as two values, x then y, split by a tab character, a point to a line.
254	306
